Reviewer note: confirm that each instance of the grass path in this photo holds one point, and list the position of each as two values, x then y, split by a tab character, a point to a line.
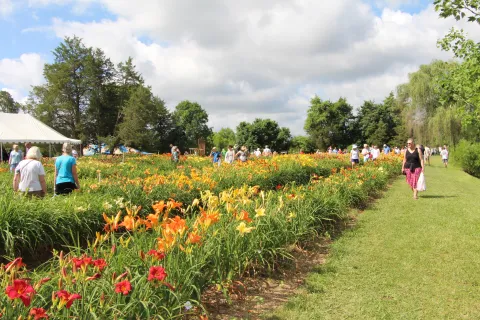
406	259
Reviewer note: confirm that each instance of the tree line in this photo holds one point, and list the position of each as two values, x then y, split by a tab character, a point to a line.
87	97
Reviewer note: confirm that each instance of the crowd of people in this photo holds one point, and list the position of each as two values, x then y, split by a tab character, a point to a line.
29	173
415	156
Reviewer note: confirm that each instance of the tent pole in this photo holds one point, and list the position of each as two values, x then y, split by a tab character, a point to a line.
49	150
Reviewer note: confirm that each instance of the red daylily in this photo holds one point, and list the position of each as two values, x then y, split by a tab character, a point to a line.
278	187
100	264
157	273
39	313
15	264
123	287
67	298
22	290
82	263
157	254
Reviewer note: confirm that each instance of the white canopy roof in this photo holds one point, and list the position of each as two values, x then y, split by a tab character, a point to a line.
21	128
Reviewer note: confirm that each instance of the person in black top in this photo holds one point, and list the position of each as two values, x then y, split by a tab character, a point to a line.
413	165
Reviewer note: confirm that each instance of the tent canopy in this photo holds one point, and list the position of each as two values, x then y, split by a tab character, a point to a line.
21	128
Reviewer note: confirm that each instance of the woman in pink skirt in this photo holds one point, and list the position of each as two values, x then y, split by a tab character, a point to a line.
413	165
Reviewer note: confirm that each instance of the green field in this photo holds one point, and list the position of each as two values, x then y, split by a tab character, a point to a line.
406	259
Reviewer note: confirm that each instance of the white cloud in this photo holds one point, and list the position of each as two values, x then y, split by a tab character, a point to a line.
16	95
79	6
22	73
6	8
248	59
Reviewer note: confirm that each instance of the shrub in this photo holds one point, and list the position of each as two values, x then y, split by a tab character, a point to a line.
467	154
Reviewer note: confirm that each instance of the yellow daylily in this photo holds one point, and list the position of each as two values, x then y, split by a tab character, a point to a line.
242	228
260	212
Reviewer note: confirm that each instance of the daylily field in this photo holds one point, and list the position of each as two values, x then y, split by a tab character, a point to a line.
143	238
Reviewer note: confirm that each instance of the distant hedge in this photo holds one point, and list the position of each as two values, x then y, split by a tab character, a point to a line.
467	154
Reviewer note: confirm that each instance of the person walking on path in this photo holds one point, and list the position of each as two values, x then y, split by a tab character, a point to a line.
66	178
444	154
30	175
413	165
216	157
427	154
242	154
230	155
354	155
15	157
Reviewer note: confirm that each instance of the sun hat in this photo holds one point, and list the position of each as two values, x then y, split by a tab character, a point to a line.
354	146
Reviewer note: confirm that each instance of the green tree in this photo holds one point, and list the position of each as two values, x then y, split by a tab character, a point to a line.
192	119
459	9
378	123
223	138
147	121
329	123
461	88
263	132
303	143
420	97
7	103
63	100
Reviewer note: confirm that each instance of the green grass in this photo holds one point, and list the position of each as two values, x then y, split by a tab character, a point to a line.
406	259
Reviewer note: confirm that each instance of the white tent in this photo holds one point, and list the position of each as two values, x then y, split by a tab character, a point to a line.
21	128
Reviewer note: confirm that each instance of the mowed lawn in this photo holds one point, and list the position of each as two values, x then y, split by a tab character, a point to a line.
406	259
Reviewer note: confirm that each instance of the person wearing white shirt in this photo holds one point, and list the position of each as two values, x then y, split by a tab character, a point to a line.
365	152
30	174
230	155
375	153
257	153
354	155
267	152
444	154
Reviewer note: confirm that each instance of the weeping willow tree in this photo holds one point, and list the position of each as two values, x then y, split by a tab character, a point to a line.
419	99
445	126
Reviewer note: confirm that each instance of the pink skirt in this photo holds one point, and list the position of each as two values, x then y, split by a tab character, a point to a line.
412	178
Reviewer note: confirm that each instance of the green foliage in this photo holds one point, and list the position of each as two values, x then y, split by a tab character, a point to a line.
378	123
87	97
263	132
192	119
223	138
459	9
419	98
146	120
7	103
467	154
302	143
329	123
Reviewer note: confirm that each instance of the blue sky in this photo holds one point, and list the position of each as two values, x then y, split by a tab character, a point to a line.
16	38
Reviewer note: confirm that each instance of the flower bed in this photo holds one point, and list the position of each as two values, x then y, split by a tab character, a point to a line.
157	265
35	226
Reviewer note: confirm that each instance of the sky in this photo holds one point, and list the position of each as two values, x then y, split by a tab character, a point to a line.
240	60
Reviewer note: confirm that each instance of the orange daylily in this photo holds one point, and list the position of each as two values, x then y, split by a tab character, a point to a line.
111	223
128	223
159	206
244	216
193	238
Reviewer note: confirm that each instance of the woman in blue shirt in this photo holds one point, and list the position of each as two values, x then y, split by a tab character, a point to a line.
15	157
66	178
